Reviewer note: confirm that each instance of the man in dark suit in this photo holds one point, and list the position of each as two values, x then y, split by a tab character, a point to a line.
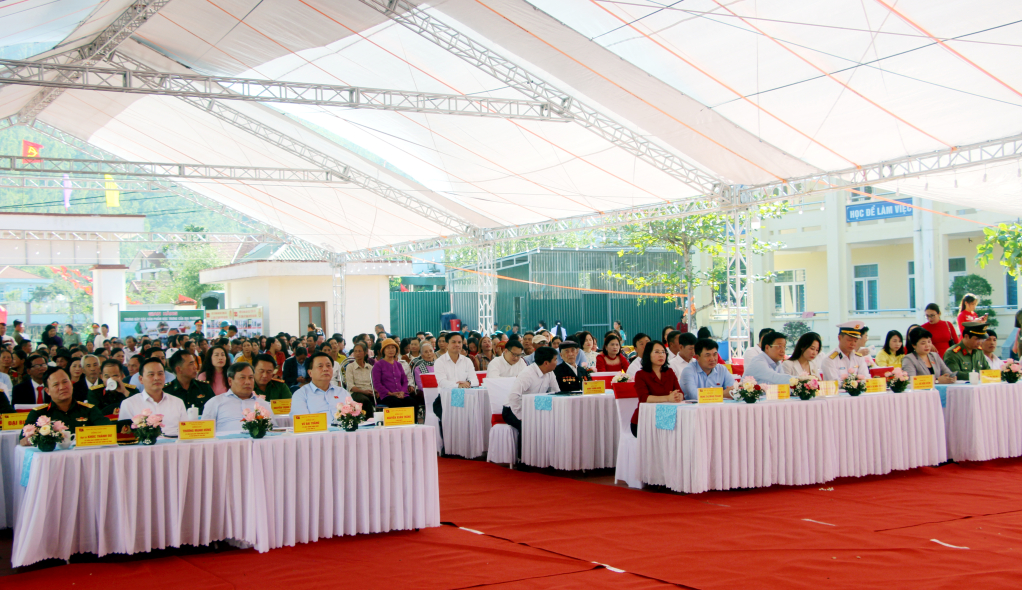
33	389
296	373
569	375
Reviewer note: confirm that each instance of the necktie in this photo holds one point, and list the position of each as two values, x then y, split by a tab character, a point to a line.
39	395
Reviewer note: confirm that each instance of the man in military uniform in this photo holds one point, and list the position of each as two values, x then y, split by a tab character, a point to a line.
193	393
570	376
109	400
846	359
265	384
62	407
966	356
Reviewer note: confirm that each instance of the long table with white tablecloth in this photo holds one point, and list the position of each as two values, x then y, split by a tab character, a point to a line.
698	447
280	490
466	421
983	421
569	432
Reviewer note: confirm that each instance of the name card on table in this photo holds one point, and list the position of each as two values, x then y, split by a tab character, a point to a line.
775	392
398	417
876	385
280	406
305	423
593	387
711	395
990	376
922	382
196	430
828	389
13	421
95	436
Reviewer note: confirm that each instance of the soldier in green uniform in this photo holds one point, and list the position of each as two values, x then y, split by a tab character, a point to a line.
109	400
62	406
193	393
265	384
966	356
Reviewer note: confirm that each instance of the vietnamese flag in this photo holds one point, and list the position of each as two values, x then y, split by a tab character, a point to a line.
404	289
30	152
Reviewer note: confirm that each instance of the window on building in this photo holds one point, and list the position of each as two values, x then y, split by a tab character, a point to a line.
911	284
1010	291
866	289
790	292
955	268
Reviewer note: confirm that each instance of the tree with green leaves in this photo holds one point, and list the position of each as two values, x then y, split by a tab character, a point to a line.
185	264
464	257
687	236
1009	239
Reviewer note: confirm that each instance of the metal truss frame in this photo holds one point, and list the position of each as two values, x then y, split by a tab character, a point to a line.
739	315
145	237
78	184
130	81
310	154
164	170
103	45
338	275
418	21
486	285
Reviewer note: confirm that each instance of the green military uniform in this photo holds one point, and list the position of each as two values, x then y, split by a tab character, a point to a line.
79	414
109	402
275	389
196	396
962	364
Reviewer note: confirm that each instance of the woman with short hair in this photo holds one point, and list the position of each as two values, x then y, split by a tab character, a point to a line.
923	360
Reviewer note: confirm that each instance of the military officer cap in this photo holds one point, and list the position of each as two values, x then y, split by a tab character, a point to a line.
977	329
853	329
567	344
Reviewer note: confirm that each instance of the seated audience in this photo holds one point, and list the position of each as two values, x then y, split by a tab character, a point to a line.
228	409
61	407
509	363
706	372
892	353
214	369
805	358
610	358
765	367
924	360
320	395
569	374
655	383
172	408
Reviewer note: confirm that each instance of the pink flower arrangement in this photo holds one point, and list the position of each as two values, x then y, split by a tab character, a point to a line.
349	414
45	433
257	421
749	391
805	386
260	413
147	426
898	380
1011	371
853	385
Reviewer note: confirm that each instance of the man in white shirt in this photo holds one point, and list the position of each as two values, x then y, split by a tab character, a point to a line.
452	370
228	409
156	353
103	336
131	348
766	367
681	349
90	371
754	351
536	378
508	364
172	408
320	395
639	341
989	348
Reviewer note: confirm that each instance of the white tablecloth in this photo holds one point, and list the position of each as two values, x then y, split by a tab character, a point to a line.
984	421
466	429
579	432
739	445
8	442
267	493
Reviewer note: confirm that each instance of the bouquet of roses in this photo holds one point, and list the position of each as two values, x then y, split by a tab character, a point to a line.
805	386
853	384
749	391
349	415
621	377
45	434
1011	371
897	380
147	426
257	421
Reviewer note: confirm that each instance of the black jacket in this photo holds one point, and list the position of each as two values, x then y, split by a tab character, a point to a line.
24	393
568	380
291	370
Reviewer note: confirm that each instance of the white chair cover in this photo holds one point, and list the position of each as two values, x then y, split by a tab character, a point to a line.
503	446
429	395
627	467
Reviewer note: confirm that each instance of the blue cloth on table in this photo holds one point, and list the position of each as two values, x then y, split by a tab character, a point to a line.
543	402
458	398
26	465
666	416
943	394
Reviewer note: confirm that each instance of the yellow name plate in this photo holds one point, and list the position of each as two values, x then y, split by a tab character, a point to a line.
399	416
922	382
711	395
775	392
828	389
876	385
305	423
13	421
990	376
196	430
593	387
280	406
95	436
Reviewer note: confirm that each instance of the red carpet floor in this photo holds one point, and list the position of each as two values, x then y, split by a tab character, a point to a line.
949	527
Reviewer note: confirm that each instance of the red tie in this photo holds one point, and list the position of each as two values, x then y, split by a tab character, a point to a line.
39	395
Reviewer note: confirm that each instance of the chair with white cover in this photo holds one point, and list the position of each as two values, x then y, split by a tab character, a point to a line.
503	443
627	467
430	391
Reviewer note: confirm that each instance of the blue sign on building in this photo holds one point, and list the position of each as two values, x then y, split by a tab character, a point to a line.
877	210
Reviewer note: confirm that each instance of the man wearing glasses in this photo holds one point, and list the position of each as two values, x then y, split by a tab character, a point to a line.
766	367
33	390
508	364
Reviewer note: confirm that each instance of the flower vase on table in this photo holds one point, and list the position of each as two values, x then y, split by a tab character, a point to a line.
147	426
45	434
349	415
805	386
897	380
854	385
257	421
749	391
1011	371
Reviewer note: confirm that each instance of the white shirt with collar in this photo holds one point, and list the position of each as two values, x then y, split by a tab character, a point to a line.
634	367
677	364
995	363
531	380
448	374
310	399
172	408
499	367
228	409
751	353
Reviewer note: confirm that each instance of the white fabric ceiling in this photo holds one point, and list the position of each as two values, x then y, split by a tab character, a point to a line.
698	78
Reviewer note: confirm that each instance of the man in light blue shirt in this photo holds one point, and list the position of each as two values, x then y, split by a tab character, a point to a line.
765	368
705	372
319	396
227	409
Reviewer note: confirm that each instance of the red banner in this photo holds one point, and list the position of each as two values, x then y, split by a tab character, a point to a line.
30	152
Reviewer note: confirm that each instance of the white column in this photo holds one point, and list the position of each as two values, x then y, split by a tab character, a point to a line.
838	267
925	258
108	295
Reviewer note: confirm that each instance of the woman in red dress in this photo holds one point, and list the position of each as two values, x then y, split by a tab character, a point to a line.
943	331
611	359
655	383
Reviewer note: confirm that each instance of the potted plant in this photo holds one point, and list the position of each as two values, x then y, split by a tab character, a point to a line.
349	415
1011	371
45	434
853	384
749	391
897	380
147	426
256	421
805	386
